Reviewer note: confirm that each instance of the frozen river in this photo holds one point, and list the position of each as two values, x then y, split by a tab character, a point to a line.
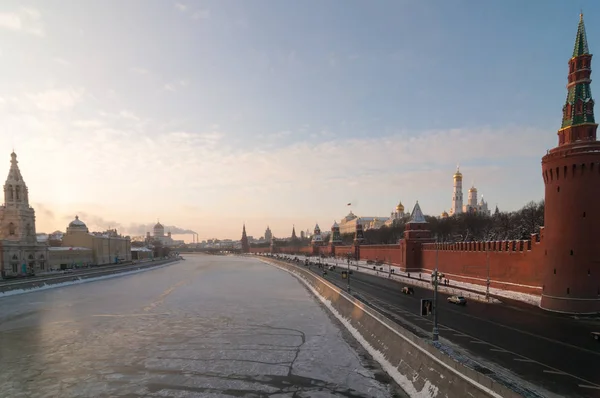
210	326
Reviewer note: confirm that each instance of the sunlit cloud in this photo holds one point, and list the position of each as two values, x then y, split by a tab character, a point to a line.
174	86
139	71
62	61
26	20
53	100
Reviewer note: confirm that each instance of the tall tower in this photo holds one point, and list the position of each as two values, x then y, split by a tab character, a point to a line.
245	245
294	237
17	217
457	195
472	198
572	215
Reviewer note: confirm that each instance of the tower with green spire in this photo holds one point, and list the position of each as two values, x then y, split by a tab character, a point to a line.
578	123
568	251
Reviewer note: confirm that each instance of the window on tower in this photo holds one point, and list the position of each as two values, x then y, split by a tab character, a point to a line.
11	229
18	192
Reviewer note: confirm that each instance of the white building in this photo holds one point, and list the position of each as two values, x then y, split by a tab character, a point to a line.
457	199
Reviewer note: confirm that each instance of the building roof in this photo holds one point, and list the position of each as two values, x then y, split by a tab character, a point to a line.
335	225
458	174
140	249
67	248
417	215
581	44
77	223
579	91
159	225
400	207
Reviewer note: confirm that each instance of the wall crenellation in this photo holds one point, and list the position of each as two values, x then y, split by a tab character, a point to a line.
483	246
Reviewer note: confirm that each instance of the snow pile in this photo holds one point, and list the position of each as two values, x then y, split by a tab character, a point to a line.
79	281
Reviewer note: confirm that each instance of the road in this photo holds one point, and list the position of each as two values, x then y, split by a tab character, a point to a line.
209	326
548	350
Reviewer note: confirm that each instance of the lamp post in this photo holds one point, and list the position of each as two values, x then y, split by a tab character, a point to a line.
487	283
349	272
436	333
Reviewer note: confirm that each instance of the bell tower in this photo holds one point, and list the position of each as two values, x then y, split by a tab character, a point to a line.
18	218
571	173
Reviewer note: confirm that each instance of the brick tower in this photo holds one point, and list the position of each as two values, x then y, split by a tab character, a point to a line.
245	245
571	173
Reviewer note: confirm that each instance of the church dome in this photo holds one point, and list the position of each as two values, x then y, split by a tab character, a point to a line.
444	214
158	226
77	223
458	175
473	189
400	207
335	225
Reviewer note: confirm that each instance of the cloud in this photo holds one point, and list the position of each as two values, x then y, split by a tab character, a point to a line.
196	15
93	222
42	210
53	100
139	71
62	61
125	160
141	229
26	20
174	86
201	14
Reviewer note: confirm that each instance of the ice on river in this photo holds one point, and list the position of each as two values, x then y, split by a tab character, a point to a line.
211	326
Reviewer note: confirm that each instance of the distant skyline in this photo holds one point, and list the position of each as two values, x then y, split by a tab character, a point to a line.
206	114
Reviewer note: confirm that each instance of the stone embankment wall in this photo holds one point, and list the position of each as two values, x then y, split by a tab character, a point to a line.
416	365
38	282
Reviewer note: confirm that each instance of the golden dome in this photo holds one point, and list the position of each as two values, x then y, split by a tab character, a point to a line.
458	175
400	207
473	189
444	214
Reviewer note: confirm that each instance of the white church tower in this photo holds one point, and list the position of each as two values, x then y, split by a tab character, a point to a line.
457	196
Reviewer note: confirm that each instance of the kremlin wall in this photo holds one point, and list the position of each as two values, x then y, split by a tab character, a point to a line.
560	263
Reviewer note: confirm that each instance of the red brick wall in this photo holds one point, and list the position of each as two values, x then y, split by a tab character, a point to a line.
511	267
514	265
385	253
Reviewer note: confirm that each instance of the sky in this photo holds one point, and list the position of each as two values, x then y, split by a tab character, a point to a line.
210	114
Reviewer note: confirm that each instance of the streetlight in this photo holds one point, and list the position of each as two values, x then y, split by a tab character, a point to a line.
436	333
348	272
487	283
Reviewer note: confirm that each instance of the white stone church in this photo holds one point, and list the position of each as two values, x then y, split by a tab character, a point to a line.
20	252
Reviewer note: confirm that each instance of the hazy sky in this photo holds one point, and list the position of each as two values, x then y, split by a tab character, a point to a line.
206	114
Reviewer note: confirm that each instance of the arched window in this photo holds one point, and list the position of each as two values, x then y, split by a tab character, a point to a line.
18	192
11	194
28	229
42	262
589	107
579	107
11	229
